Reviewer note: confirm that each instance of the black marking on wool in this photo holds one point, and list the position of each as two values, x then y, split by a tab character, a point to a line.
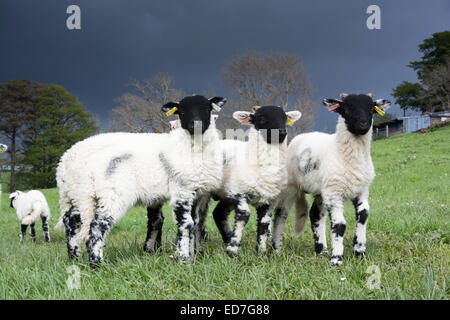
170	171
241	216
114	163
338	229
11	203
99	229
262	227
315	215
305	162
362	216
182	210
72	224
45	228
337	257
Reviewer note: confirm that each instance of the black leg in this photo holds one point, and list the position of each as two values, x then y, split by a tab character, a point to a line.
23	231
220	214
154	228
32	232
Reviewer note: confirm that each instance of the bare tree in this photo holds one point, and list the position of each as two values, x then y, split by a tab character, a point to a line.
140	111
259	78
436	85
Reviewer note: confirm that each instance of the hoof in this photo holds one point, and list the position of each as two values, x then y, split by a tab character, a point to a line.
232	251
185	259
322	253
359	253
336	260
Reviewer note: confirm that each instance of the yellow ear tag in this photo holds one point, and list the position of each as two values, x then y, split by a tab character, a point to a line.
171	111
1	151
289	122
380	112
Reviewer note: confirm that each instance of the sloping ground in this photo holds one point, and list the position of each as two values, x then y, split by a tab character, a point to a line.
408	247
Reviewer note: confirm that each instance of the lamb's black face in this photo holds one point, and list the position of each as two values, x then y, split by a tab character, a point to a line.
270	118
194	111
357	111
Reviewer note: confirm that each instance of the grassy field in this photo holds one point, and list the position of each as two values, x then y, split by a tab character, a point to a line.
408	242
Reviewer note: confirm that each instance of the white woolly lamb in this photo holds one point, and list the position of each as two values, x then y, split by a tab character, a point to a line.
254	173
29	207
147	169
333	168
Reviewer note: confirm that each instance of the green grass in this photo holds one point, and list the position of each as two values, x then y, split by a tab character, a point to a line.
408	240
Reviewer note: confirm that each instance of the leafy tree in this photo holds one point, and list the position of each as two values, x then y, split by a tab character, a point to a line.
61	121
435	50
17	112
406	95
433	71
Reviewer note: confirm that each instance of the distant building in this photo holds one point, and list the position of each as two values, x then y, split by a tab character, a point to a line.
409	124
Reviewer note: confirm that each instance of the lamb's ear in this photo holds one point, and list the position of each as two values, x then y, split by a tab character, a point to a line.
243	117
254	108
217	103
170	108
13	195
293	116
332	104
174	124
380	106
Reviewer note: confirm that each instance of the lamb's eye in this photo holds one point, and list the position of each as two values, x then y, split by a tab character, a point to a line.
262	121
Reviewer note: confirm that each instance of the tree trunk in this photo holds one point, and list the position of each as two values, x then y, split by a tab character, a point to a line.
12	181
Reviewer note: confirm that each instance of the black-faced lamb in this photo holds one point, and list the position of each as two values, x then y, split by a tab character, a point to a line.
333	168
147	169
254	173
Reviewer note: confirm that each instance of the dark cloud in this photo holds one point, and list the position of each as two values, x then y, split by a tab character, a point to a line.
192	41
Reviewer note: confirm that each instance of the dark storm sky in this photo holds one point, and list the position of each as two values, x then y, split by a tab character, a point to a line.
192	41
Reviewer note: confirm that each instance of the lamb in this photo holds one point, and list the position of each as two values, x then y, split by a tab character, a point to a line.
3	148
116	177
29	207
73	162
333	168
254	173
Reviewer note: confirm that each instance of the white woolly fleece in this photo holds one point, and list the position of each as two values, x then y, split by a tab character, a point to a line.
154	167
253	167
339	165
30	206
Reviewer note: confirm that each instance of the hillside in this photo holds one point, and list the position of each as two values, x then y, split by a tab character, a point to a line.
408	242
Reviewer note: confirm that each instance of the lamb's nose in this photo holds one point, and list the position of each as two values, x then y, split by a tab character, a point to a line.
364	123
